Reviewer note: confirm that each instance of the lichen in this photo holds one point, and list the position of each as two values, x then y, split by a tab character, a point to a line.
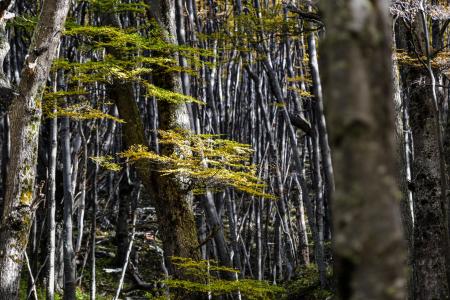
26	197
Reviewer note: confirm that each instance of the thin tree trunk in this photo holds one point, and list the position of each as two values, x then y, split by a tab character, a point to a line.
127	255
82	203
92	293
69	255
122	220
52	202
321	123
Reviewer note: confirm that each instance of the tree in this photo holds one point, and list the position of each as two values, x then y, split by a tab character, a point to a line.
369	248
429	183
25	113
172	202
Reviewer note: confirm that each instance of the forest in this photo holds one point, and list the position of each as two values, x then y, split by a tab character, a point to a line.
224	149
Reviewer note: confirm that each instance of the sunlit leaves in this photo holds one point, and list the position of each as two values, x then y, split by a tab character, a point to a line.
169	96
203	278
106	162
81	110
206	160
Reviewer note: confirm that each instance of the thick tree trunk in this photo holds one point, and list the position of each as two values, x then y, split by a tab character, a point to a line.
369	248
429	234
173	202
175	216
25	114
403	162
430	240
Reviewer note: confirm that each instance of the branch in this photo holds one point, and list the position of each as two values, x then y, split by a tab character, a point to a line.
139	284
311	17
301	123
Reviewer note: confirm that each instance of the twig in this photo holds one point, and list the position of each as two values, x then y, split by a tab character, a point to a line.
33	286
127	258
37	276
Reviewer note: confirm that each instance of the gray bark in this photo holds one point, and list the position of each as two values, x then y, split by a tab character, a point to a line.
25	113
69	254
52	204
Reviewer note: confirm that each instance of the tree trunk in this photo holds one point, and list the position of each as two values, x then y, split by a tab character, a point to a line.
322	134
369	249
25	114
428	170
69	255
125	189
173	203
51	189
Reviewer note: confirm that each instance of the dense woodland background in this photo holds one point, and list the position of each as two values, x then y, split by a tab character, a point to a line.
224	149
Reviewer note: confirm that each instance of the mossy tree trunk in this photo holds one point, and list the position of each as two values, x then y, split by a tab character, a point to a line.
369	248
173	204
25	113
170	197
172	201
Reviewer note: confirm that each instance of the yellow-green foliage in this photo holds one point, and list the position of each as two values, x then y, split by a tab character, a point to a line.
109	68
249	25
78	111
106	162
103	71
27	22
301	92
204	279
130	45
115	6
438	61
116	38
169	96
405	59
206	160
299	79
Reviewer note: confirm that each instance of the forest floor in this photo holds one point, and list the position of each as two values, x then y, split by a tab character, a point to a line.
303	286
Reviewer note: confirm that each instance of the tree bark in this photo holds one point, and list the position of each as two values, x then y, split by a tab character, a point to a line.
25	113
172	202
369	249
430	253
51	190
69	255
